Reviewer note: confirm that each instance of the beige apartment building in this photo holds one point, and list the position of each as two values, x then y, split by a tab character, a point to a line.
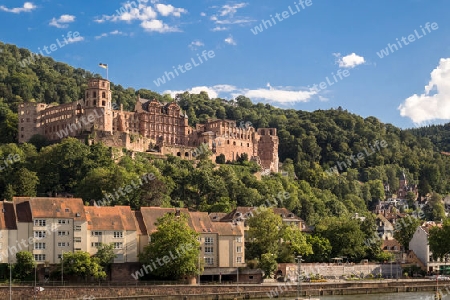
49	227
116	225
221	245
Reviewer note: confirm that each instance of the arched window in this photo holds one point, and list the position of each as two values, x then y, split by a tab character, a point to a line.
103	95
95	95
95	102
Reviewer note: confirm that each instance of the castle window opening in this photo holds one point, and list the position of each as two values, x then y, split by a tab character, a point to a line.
103	95
95	95
186	154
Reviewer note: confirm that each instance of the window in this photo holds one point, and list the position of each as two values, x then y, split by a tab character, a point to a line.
63	244
238	249
40	223
209	240
95	244
96	233
209	249
77	240
67	210
239	259
118	234
209	260
39	234
63	233
78	228
239	239
39	246
63	221
118	245
59	256
39	257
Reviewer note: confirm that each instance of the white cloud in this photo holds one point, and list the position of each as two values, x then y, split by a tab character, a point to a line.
147	13
271	94
203	14
27	7
158	26
225	16
434	103
196	44
101	36
349	61
62	22
230	40
231	9
218	28
167	10
115	32
75	39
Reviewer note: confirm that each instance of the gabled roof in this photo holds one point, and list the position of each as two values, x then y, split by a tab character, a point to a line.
46	207
223	228
104	218
7	216
150	216
128	218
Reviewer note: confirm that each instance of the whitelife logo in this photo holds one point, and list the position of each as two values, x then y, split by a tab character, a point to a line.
391	48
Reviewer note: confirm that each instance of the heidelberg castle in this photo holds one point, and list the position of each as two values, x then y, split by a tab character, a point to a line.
151	127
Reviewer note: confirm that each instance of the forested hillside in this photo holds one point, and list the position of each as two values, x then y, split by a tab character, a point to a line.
310	144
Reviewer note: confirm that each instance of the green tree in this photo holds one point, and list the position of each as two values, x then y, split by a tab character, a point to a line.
263	233
220	159
321	249
404	230
268	263
295	242
83	265
105	255
439	241
174	248
25	183
24	266
345	236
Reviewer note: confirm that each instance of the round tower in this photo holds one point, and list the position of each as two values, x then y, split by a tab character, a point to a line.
97	101
98	93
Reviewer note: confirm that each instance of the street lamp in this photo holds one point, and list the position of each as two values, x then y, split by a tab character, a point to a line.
62	267
35	267
299	276
10	281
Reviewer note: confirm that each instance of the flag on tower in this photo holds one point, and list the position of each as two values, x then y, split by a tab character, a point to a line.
104	66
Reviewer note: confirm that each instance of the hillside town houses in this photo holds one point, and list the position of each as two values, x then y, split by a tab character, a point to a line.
49	227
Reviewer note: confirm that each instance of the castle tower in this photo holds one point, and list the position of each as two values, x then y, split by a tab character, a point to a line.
98	101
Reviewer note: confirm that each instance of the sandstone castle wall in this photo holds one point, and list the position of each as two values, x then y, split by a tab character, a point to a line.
152	126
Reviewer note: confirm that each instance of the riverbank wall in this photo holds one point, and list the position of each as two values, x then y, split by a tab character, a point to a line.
222	292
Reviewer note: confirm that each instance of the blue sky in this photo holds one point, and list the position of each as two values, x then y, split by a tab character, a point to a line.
284	64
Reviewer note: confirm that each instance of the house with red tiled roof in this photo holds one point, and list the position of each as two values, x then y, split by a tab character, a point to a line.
419	245
113	225
221	245
240	214
8	231
48	227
